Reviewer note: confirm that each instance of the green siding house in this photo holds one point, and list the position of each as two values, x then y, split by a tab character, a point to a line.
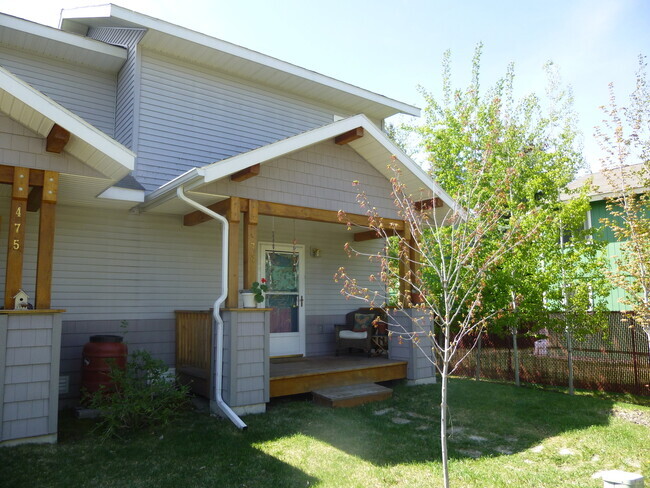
602	190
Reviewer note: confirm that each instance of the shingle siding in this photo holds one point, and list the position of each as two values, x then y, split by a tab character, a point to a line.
320	176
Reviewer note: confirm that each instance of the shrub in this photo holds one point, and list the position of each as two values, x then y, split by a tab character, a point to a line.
143	395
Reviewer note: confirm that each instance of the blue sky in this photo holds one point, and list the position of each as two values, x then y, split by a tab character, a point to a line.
391	47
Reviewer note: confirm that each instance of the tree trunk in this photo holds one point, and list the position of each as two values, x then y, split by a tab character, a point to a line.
515	354
478	358
443	409
569	347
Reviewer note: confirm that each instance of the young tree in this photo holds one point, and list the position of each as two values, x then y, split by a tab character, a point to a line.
505	164
625	141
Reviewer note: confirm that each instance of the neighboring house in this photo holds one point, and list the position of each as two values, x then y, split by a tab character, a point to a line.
603	187
119	115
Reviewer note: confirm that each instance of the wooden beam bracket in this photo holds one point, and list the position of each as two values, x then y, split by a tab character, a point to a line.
57	139
349	136
246	173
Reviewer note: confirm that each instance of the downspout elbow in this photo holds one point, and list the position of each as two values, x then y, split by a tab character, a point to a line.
218	321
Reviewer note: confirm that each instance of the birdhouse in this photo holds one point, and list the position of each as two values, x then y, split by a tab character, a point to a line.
21	301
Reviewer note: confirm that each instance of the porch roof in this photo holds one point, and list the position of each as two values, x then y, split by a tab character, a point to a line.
40	114
375	147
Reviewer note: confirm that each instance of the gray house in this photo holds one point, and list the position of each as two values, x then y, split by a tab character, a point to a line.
149	173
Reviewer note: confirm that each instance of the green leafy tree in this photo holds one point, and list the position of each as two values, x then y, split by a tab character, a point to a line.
625	141
495	256
537	142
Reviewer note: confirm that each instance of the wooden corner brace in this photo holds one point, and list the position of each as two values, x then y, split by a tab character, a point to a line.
57	139
246	173
349	136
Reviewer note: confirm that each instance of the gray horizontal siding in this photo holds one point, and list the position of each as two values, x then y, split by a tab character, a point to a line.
155	336
127	79
320	176
191	116
112	265
86	92
323	294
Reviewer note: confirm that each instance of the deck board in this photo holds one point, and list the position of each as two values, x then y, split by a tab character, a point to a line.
303	375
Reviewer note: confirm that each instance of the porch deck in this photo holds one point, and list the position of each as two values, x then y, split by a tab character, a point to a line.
291	376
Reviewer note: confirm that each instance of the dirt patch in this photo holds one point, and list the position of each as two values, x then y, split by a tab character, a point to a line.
635	416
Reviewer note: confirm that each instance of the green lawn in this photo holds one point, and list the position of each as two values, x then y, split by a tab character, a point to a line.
502	436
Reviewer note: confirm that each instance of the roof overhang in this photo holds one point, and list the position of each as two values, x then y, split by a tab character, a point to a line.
238	61
375	147
57	44
610	183
39	113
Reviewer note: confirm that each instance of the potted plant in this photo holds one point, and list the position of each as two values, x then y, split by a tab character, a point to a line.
255	294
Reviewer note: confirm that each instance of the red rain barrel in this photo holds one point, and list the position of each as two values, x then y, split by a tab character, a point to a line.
98	356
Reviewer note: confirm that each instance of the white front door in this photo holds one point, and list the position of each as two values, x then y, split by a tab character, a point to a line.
282	265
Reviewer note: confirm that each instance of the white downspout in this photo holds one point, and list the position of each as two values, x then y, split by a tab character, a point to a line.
239	423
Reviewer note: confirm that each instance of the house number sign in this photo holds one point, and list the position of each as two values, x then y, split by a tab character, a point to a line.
17	226
17	241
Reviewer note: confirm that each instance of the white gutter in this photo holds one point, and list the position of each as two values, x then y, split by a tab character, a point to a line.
239	423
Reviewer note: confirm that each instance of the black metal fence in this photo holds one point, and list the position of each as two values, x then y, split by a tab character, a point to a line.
618	361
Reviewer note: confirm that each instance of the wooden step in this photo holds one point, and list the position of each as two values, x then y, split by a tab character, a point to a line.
351	395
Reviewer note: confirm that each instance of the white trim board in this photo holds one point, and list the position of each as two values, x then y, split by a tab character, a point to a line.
39	113
249	64
374	143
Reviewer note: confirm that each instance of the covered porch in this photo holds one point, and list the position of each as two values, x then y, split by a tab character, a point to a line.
289	209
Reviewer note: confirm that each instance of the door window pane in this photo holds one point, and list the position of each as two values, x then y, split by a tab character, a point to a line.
284	316
282	271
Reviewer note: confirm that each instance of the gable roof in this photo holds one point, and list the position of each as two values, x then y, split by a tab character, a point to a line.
603	185
215	53
56	44
39	113
375	147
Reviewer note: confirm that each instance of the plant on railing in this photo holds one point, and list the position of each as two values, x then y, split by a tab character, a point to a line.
258	289
141	395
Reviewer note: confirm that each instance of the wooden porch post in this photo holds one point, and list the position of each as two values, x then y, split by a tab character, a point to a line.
251	218
16	235
414	256
46	240
234	218
404	267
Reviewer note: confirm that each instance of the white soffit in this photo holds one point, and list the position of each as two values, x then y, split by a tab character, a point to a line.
193	46
54	43
39	113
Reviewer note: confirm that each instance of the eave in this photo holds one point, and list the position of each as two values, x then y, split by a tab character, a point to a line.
39	113
374	147
235	60
56	44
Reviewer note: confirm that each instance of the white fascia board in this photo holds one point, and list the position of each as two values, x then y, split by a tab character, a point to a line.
604	196
123	194
55	35
69	121
135	18
221	169
409	164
